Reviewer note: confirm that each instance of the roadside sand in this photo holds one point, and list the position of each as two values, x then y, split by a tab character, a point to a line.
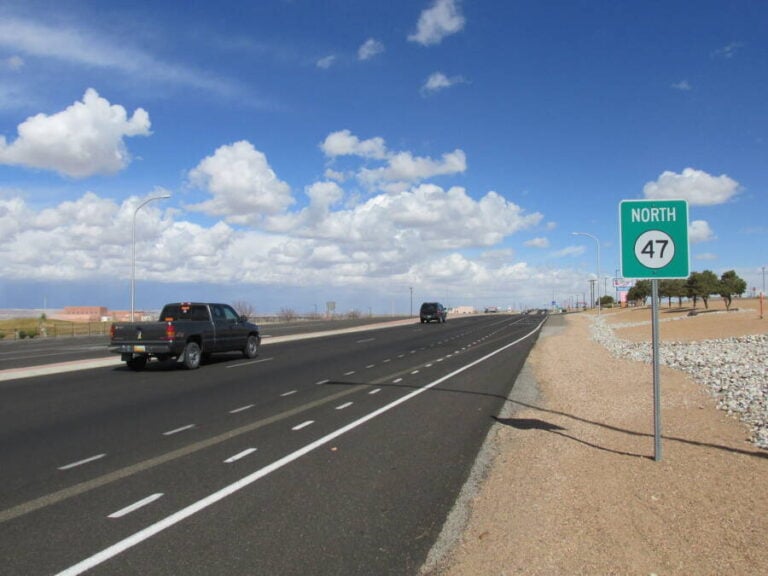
572	487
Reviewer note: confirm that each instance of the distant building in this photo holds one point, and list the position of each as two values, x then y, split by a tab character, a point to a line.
463	310
138	316
82	314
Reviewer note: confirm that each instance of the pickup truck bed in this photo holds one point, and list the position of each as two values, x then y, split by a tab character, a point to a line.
186	332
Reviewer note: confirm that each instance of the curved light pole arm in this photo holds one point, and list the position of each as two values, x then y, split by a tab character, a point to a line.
133	248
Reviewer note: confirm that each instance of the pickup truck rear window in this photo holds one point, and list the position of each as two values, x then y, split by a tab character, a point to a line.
184	312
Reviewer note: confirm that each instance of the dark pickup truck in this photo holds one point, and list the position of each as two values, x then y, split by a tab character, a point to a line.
187	332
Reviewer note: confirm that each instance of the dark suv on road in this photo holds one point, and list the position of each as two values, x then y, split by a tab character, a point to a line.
432	311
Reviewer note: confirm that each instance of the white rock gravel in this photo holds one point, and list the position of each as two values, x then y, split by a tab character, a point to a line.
734	370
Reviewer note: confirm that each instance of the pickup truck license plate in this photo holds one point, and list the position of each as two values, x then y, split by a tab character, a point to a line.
139	348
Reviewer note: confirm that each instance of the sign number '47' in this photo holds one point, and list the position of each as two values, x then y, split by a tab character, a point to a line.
654	238
654	249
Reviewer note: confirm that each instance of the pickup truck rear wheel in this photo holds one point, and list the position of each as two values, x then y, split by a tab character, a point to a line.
251	347
192	356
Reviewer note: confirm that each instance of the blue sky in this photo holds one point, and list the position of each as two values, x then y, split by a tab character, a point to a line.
351	151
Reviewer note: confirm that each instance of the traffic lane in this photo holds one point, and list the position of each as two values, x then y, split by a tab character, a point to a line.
51	427
33	352
382	530
273	329
42	351
96	421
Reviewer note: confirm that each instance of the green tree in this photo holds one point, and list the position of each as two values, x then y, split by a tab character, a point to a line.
640	291
674	288
731	284
606	301
702	285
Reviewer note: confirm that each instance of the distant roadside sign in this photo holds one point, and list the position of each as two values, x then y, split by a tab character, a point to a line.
654	239
623	284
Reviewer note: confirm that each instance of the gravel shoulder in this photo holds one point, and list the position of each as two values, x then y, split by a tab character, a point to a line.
570	486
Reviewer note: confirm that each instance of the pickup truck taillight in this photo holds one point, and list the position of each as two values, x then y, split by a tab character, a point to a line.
170	331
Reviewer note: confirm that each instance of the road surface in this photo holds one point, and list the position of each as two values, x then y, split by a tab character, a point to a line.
335	455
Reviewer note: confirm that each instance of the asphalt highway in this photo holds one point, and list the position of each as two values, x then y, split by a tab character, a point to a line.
340	454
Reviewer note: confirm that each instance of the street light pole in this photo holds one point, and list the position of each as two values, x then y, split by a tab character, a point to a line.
599	307
133	249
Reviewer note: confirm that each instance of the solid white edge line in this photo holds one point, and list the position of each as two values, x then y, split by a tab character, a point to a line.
135	506
184	513
81	462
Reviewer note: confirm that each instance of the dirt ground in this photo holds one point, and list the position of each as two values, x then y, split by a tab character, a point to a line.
573	487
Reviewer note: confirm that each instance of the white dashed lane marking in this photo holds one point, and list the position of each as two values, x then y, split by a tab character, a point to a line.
135	506
303	425
177	430
239	455
81	462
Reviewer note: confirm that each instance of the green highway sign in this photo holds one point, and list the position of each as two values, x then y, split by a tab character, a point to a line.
654	239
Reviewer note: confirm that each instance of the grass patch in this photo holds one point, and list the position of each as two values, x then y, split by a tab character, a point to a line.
35	328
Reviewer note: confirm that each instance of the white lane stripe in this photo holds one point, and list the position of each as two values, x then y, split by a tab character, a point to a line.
364	340
184	513
241	409
81	462
303	425
239	455
397	381
375	391
345	405
349	373
133	507
288	393
321	382
177	430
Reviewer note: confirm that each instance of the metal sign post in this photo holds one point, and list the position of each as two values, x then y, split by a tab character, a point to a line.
656	375
654	245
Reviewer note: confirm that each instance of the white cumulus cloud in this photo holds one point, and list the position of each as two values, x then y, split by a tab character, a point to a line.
86	138
369	49
344	143
699	231
442	19
404	167
438	81
537	243
400	169
326	62
243	186
695	186
422	235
